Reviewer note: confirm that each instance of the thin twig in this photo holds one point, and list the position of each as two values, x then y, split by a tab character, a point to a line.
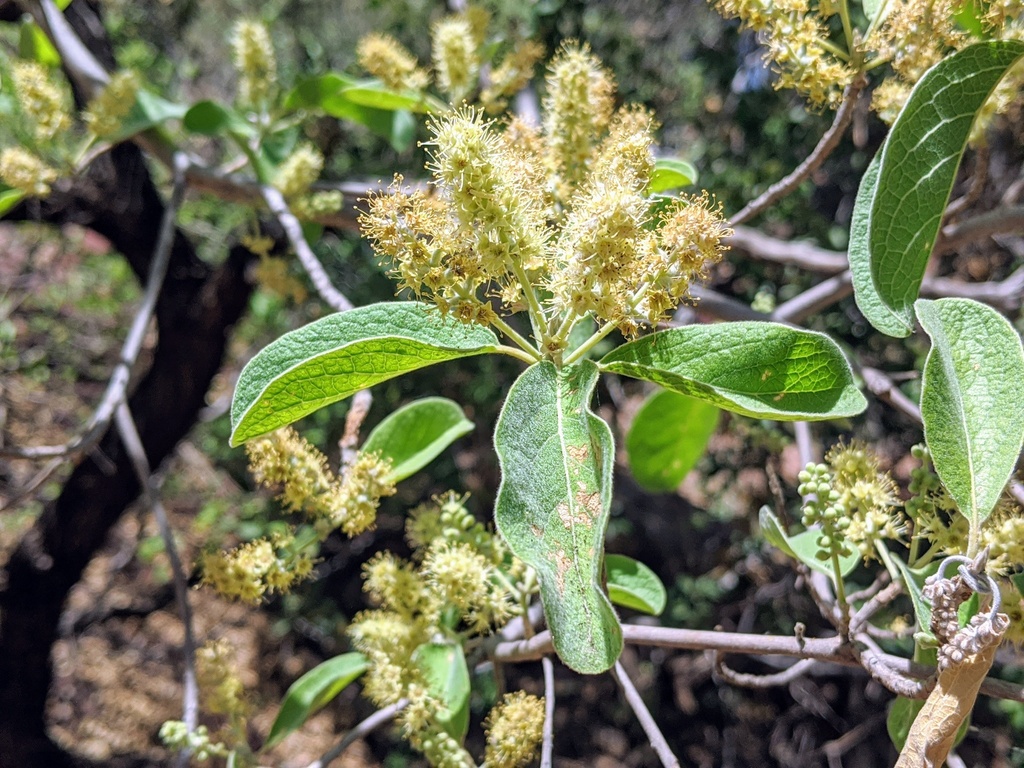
121	376
30	488
978	178
815	299
885	389
828	142
875	604
788	252
547	745
636	703
357	411
137	453
871	590
279	207
747	680
366	727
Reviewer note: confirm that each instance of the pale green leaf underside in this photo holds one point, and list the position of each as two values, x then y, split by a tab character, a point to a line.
972	401
764	370
335	357
416	433
632	584
918	166
444	669
668	435
803	546
556	465
314	690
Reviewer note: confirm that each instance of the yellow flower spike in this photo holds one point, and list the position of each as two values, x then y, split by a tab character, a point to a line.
386	58
458	573
298	173
577	107
394	584
454	50
26	172
223	692
254	61
254	569
106	113
41	99
284	459
511	75
514	730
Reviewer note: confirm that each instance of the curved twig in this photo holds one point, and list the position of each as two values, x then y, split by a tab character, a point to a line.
825	146
367	726
547	745
747	680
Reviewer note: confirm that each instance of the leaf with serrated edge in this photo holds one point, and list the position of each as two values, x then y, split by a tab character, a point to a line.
972	401
553	504
314	690
668	435
764	370
415	434
632	584
918	166
335	357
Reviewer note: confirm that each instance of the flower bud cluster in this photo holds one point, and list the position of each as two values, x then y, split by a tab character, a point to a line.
296	176
554	220
387	59
258	568
514	730
458	584
798	43
42	99
174	735
255	62
456	62
26	172
932	509
823	508
105	114
867	494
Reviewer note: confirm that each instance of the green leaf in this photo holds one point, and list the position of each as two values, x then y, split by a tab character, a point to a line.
335	357
897	217
972	401
803	546
208	118
10	198
632	584
969	16
444	669
314	690
416	433
398	127
668	435
872	9
670	173
376	95
33	44
764	370
311	92
913	583
553	503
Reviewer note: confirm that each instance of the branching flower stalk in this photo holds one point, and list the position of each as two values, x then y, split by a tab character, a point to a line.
554	222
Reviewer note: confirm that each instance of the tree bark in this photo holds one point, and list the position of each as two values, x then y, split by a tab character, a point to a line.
195	311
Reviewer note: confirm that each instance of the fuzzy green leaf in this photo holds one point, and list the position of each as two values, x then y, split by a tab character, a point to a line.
208	118
374	94
556	462
972	401
443	666
416	433
913	583
670	173
314	690
916	171
764	370
311	92
632	584
668	435
335	357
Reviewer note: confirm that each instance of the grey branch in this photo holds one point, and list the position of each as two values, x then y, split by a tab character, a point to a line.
746	680
334	298
367	726
636	703
547	745
150	489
